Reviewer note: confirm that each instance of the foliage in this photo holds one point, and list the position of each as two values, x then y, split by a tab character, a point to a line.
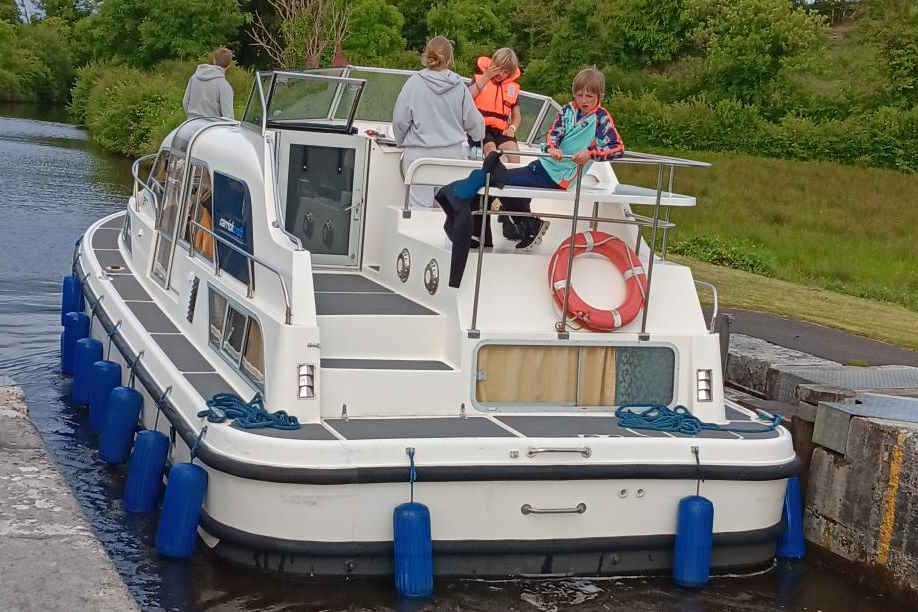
130	111
143	33
653	30
414	27
740	254
476	27
9	11
746	42
374	33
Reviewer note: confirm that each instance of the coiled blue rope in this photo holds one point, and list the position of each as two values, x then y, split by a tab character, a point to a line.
247	415
657	417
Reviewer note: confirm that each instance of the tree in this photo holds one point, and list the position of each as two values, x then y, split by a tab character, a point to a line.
746	42
477	27
653	30
306	30
144	33
414	28
374	33
9	11
186	29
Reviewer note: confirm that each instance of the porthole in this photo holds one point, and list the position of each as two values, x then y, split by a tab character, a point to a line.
403	265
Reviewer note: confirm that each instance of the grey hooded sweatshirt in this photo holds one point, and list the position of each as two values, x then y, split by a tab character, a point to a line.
435	111
208	94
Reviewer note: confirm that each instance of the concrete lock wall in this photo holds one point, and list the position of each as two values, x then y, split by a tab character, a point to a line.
863	505
860	470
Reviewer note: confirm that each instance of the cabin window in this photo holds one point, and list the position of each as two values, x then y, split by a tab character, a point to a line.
217	316
232	222
236	335
253	359
169	217
200	205
252	114
543	376
157	180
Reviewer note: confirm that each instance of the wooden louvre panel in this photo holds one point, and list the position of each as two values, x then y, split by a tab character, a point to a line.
528	374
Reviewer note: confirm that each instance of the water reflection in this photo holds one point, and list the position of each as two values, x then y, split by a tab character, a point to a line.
53	184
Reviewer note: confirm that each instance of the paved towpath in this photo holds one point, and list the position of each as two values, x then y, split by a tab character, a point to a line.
818	340
49	557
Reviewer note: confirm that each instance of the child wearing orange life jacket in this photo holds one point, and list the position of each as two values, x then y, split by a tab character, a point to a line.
496	91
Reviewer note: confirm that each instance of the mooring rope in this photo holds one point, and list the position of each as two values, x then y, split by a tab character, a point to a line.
657	417
247	415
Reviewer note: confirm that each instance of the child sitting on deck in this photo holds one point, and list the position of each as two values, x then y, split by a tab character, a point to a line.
584	130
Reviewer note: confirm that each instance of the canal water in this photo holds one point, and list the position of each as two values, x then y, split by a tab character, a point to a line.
53	184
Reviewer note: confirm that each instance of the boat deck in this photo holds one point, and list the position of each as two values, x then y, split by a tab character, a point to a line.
354	293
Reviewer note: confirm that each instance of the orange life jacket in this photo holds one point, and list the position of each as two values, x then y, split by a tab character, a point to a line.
495	101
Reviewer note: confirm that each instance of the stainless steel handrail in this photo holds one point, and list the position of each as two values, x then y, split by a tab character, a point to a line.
250	259
710	287
583	451
530	509
655	223
135	168
278	223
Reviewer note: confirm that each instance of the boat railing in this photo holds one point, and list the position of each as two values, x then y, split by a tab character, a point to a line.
654	223
250	259
716	305
142	185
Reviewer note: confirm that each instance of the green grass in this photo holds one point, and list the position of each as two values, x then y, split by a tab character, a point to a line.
820	224
877	320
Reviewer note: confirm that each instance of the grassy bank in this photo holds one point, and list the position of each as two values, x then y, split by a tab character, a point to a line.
869	318
821	224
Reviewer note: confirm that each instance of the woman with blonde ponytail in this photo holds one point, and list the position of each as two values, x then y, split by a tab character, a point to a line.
435	114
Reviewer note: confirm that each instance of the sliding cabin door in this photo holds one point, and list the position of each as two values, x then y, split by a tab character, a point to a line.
322	181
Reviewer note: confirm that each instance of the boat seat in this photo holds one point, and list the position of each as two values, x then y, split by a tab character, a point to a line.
439	171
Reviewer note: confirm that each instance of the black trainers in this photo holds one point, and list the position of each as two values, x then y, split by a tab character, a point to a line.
535	238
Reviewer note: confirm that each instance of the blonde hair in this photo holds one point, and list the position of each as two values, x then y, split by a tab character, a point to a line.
223	57
505	59
590	80
438	54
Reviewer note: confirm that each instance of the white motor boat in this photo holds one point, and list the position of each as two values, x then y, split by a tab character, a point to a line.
279	256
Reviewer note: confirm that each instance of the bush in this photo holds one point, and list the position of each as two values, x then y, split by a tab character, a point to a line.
129	111
738	254
886	137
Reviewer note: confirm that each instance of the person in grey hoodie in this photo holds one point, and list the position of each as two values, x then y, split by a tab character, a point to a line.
208	94
435	114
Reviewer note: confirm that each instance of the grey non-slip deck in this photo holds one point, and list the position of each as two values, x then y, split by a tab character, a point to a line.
346	283
112	262
105	239
182	353
384	364
350	303
307	431
114	223
390	429
209	384
354	294
129	289
566	426
152	318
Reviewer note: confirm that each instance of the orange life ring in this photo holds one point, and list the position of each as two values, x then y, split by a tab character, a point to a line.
622	257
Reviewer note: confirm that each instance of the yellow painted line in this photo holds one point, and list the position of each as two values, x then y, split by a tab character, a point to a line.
889	505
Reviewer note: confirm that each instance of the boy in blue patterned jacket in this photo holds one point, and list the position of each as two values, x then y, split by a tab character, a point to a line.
584	130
